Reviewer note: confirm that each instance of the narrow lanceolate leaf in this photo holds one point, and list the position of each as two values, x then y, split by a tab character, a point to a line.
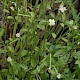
64	39
1	32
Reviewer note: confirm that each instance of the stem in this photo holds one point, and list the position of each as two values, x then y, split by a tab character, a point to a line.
50	62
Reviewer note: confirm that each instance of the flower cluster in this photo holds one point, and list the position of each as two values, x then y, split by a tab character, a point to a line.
52	21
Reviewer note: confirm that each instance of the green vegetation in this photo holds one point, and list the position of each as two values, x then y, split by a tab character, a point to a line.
40	41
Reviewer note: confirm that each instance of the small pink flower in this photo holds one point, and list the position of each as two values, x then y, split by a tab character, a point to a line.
18	35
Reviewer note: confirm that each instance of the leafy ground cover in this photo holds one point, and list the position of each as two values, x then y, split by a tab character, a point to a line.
39	40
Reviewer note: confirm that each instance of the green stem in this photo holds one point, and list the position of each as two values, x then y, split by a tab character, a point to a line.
50	62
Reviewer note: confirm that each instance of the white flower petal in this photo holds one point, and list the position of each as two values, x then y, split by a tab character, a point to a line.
18	35
9	59
62	8
59	76
51	22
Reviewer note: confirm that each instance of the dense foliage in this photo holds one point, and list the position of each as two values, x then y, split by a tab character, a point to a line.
39	40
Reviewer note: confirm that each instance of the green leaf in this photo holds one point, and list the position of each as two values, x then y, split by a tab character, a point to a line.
78	55
48	5
5	71
10	17
24	66
41	25
35	7
16	79
54	35
16	68
51	48
78	62
12	8
23	53
32	14
52	72
9	77
1	32
62	24
23	30
10	48
43	64
37	70
64	59
23	15
64	39
5	10
33	62
18	18
71	22
60	52
52	15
